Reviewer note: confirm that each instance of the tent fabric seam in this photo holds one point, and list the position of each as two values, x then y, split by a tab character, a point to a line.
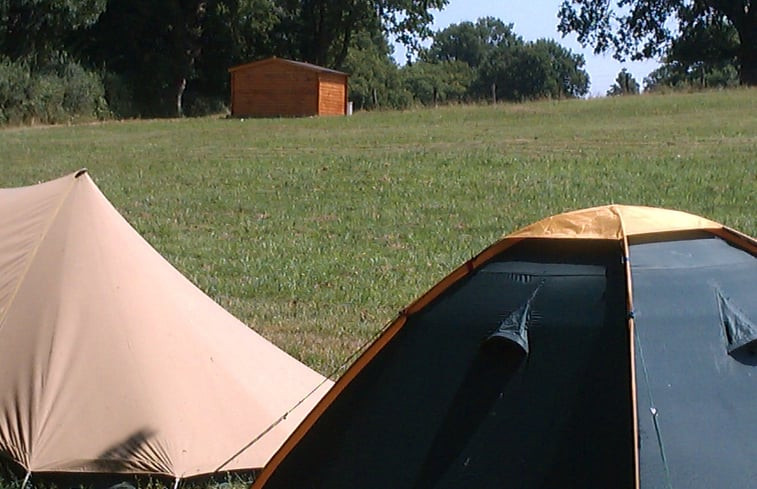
34	252
631	347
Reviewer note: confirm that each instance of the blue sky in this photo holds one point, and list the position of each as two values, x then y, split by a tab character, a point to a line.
534	19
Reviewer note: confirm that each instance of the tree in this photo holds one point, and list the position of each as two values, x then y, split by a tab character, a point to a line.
480	45
706	38
172	48
375	79
36	30
432	83
233	32
322	31
625	84
504	66
677	75
642	28
154	46
471	43
540	69
704	55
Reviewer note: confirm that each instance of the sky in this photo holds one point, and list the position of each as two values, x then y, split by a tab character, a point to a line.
534	19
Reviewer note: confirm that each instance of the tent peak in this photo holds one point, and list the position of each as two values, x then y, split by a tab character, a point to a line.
80	173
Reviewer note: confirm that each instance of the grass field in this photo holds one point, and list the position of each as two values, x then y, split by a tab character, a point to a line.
317	231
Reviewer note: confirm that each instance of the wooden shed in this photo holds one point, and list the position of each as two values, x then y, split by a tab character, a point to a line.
280	87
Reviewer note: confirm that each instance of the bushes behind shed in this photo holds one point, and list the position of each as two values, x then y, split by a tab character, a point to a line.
61	91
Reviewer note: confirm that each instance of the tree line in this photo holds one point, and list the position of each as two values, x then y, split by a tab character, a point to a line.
467	62
147	58
701	43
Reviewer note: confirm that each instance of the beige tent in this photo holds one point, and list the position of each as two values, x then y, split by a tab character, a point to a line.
112	362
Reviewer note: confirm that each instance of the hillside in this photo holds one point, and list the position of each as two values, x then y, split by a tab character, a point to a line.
317	231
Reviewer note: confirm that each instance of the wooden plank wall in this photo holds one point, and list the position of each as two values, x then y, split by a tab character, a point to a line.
275	90
332	94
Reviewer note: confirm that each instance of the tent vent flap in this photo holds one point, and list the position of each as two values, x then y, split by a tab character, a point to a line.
740	331
512	332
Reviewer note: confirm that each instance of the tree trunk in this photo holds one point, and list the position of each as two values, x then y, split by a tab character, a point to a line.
744	20
321	39
346	29
748	57
180	97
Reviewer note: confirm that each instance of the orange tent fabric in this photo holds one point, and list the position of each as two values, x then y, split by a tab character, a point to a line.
614	222
113	362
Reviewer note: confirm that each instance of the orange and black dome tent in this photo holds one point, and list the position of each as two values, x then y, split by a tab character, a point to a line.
609	347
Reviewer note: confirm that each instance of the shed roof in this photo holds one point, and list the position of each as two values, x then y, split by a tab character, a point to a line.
300	64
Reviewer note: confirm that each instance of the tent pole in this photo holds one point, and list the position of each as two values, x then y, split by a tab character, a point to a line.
26	479
631	324
175	483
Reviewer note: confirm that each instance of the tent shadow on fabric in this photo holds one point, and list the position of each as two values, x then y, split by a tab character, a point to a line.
130	449
492	368
745	357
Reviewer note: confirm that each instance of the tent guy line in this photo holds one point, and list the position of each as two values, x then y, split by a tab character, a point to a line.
347	361
653	411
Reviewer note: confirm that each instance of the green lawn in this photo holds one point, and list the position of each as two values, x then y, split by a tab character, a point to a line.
317	231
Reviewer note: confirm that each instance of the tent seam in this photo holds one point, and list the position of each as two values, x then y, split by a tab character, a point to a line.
631	332
34	252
